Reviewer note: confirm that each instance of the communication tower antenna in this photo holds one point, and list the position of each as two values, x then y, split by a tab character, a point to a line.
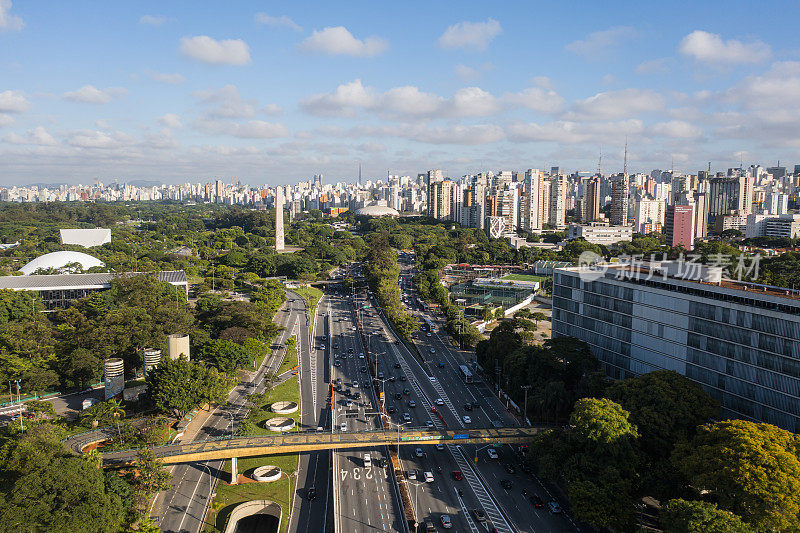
625	161
709	168
600	162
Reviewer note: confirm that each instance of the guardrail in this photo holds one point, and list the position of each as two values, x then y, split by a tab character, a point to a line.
312	440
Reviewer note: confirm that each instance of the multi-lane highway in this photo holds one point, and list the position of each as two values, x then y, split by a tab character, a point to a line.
183	508
366	497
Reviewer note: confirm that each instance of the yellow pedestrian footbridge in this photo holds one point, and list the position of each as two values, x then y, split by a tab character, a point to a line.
320	440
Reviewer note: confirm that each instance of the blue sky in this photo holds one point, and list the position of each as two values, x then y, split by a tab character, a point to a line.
275	92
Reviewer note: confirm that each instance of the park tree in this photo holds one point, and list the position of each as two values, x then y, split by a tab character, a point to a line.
151	478
751	469
227	356
178	386
63	494
682	516
601	421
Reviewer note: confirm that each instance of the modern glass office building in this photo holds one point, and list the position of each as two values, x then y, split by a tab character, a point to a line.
740	342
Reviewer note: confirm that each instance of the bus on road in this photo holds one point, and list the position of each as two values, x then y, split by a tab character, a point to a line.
429	323
466	375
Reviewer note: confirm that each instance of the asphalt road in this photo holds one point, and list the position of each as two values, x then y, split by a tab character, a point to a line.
366	498
182	509
446	383
313	516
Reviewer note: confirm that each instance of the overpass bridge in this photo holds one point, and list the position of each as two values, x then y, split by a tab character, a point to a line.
317	440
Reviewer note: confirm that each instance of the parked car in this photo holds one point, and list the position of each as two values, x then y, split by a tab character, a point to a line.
553	507
492	453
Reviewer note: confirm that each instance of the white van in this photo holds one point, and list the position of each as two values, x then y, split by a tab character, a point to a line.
343	426
429	477
367	460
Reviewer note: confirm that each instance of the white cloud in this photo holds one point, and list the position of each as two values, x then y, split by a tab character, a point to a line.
409	101
654	66
341	102
339	41
470	35
371	147
473	102
9	22
226	103
617	104
258	129
89	94
538	99
163	77
276	22
473	134
569	132
676	129
170	120
153	20
98	139
598	44
37	136
207	50
252	129
272	109
13	102
466	73
542	81
707	47
401	102
5	120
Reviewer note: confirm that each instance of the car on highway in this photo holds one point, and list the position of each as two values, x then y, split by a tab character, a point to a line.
457	475
431	350
478	515
406	391
428	477
380	375
311	493
439	401
337	363
446	522
428	334
466	419
354	384
406	417
403	378
536	501
412	403
467	407
412	474
492	453
510	468
429	424
418	452
361	356
349	350
391	410
349	403
553	507
343	426
398	396
506	484
440	447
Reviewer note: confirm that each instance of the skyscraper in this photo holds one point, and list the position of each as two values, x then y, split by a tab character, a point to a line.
679	226
279	242
532	205
558	191
619	200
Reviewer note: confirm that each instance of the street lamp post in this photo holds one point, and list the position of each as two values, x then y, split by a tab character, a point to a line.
525	408
416	491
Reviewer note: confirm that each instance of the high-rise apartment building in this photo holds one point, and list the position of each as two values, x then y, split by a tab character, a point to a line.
590	203
531	205
619	200
558	192
679	226
649	215
723	196
431	180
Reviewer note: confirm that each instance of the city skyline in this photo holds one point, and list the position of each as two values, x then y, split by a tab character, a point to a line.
273	96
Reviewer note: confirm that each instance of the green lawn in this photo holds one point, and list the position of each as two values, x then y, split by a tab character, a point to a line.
311	296
524	277
228	496
290	361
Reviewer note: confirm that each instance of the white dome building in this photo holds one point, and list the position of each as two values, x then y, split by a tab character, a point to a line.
59	260
377	211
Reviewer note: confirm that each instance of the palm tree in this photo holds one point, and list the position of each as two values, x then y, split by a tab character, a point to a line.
117	411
